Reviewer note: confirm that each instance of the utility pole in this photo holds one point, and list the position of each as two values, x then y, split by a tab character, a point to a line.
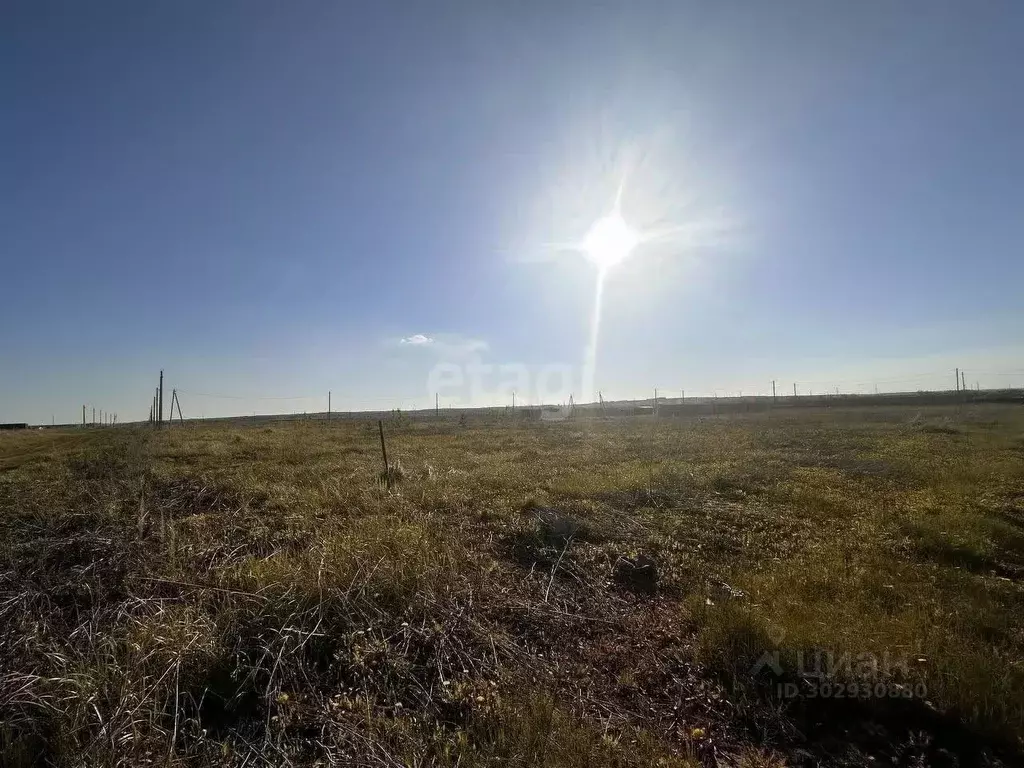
773	391
513	399
94	415
83	415
794	389
956	375
437	406
963	382
161	409
328	406
175	402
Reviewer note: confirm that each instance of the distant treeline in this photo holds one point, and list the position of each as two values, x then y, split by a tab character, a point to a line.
696	406
710	406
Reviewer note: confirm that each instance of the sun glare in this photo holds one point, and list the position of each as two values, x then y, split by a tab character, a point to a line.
609	241
666	219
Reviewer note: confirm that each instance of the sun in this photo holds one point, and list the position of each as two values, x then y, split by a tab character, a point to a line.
609	241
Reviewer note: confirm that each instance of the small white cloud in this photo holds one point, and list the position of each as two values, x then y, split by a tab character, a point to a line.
417	339
444	346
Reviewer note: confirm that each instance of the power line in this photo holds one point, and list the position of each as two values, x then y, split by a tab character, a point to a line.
248	397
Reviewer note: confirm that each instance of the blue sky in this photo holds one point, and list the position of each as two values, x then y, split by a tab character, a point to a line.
265	198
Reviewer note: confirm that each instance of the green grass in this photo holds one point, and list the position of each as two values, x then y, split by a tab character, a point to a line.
223	594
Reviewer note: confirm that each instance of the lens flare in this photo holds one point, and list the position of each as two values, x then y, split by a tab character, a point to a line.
609	241
649	212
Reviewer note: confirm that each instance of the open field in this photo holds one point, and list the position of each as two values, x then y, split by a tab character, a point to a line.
785	588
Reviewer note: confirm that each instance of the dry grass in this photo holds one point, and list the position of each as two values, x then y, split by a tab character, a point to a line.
238	594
